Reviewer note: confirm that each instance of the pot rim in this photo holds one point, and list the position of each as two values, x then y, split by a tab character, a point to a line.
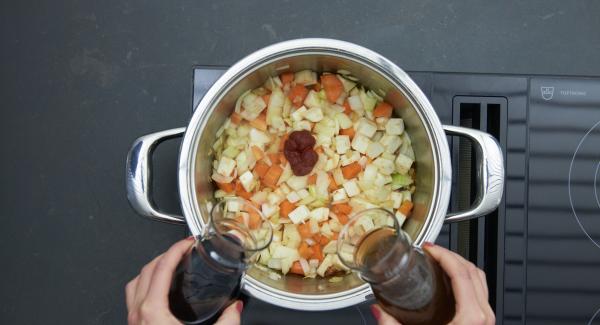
397	76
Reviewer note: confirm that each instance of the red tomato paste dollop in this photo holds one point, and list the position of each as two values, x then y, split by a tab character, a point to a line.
300	153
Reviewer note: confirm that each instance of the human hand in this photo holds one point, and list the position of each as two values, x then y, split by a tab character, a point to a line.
147	295
468	284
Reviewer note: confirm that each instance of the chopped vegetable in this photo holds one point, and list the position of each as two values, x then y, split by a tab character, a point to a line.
226	166
286	78
227	187
349	132
383	109
236	118
351	188
366	127
257	152
351	170
341	209
297	95
394	126
286	207
305	251
347	108
240	191
360	143
300	214
304	230
400	180
406	208
272	175
261	168
305	77
296	268
333	87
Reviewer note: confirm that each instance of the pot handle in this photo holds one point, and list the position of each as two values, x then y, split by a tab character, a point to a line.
138	175
490	173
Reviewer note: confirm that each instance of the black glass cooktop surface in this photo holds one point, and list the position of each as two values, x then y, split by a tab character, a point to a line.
563	221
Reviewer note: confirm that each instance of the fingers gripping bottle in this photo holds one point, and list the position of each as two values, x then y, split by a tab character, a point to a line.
407	283
209	275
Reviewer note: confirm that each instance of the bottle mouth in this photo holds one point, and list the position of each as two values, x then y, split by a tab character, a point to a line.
243	224
369	240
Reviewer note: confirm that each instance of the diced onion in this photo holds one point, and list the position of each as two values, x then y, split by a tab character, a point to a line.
221	179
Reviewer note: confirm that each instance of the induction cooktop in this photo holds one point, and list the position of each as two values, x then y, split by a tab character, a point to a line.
541	248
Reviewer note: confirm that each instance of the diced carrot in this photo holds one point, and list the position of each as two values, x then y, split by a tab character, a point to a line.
352	170
297	95
347	108
312	179
286	78
266	98
349	132
342	218
341	208
257	152
285	207
282	141
296	268
323	240
332	184
260	122
335	235
240	191
255	204
317	87
304	230
274	158
240	219
254	220
282	159
227	187
272	176
406	208
261	168
383	109
333	87
319	149
305	251
236	118
317	252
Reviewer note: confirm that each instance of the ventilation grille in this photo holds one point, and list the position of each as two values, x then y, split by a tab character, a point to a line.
477	239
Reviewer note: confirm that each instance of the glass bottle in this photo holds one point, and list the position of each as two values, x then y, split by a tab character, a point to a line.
208	277
407	282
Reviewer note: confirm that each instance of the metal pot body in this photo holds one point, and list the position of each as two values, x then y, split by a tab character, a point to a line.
433	177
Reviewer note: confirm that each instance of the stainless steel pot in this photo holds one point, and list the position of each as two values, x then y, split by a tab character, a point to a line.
376	72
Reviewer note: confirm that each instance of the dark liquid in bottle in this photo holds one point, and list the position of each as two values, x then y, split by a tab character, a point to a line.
206	280
422	294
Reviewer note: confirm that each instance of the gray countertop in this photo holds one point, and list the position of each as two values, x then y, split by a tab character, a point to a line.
82	79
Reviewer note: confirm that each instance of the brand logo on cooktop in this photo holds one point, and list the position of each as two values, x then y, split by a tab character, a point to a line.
547	92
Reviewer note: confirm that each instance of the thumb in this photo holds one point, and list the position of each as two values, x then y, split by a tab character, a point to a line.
231	314
382	317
